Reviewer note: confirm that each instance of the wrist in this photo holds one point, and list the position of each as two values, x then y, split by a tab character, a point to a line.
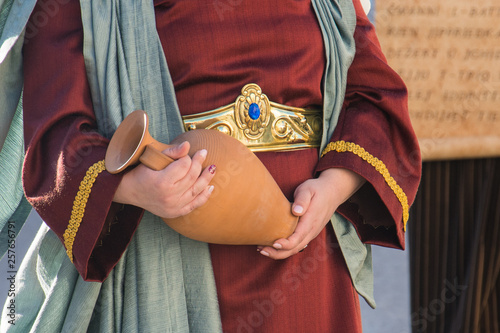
124	189
344	182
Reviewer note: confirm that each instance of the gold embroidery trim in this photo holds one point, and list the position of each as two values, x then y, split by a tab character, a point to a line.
79	204
342	146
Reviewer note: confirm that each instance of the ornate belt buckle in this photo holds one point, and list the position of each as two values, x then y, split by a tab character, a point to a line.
260	124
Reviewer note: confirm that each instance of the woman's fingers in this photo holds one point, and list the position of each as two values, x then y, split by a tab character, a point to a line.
185	171
191	184
198	201
176	171
286	247
192	171
174	191
314	204
303	196
301	235
198	193
200	185
177	151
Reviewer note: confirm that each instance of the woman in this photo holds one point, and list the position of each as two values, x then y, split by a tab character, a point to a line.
213	49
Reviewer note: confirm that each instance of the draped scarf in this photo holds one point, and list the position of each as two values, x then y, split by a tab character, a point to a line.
127	70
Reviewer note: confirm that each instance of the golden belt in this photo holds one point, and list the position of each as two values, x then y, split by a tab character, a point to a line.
260	124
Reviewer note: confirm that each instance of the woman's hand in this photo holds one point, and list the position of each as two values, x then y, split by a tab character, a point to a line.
315	202
174	191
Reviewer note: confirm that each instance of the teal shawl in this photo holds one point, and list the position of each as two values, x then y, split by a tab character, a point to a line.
164	281
13	205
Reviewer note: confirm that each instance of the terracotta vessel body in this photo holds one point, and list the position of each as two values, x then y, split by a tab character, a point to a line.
246	206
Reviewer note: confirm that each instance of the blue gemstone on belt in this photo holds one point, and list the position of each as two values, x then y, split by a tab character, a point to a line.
254	111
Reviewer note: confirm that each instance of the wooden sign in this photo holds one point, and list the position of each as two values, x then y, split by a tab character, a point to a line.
448	53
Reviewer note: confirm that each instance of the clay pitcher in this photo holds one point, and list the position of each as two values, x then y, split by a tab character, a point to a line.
246	206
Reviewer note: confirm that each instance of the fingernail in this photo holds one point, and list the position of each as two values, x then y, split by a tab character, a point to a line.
203	153
212	169
182	144
211	189
277	246
264	253
298	209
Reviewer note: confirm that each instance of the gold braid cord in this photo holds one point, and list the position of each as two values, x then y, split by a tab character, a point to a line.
79	205
342	146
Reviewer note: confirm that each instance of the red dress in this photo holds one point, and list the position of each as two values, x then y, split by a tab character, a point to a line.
231	48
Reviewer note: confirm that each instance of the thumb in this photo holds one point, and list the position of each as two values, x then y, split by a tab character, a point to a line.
302	200
178	151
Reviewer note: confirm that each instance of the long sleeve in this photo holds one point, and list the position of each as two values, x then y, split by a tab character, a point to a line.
374	138
62	144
